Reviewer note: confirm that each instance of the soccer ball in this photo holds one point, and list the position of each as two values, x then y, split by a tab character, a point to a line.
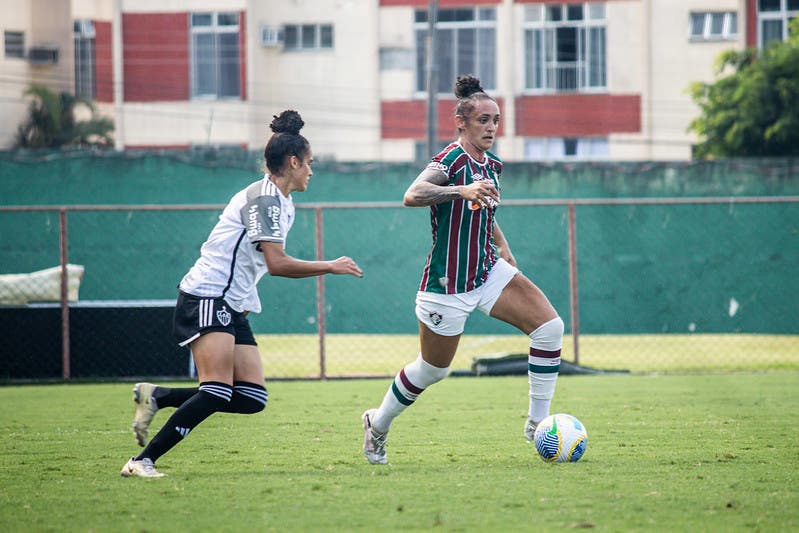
560	438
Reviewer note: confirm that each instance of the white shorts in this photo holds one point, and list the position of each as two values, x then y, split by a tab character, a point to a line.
446	314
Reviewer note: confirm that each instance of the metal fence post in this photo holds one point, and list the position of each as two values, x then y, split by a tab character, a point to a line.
320	294
65	355
573	287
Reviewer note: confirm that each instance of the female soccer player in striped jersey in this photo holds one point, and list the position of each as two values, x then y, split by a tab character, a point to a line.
469	267
220	289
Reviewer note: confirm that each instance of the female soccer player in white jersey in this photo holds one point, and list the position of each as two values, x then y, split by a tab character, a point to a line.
469	267
220	289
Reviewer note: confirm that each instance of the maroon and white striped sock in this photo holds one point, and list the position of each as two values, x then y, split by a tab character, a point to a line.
408	384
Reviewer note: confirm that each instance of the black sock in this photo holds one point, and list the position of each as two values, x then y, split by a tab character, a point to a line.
248	398
169	397
212	397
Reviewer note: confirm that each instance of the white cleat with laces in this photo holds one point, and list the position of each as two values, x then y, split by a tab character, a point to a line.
374	443
142	468
529	430
146	408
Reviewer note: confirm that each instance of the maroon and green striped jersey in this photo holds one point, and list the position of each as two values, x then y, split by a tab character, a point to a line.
463	250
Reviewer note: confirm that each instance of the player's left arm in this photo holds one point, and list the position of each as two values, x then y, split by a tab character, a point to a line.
502	245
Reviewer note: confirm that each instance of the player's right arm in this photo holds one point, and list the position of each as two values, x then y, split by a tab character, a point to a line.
430	188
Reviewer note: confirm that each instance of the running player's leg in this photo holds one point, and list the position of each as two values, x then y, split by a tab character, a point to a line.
190	320
149	398
249	388
524	305
214	356
431	366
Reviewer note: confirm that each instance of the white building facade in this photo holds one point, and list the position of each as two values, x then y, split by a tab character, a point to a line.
602	80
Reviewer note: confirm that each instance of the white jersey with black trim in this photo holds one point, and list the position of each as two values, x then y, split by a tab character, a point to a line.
231	262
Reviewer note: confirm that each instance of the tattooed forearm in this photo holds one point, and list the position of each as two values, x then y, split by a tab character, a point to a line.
423	194
428	189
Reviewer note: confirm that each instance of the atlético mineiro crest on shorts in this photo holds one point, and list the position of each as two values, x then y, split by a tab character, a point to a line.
436	318
223	315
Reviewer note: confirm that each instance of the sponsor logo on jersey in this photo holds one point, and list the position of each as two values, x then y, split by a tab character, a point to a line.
273	212
253	223
223	315
437	165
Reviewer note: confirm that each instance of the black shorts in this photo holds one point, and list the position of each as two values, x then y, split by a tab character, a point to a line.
195	316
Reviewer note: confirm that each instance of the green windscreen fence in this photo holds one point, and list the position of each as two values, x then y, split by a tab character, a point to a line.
650	266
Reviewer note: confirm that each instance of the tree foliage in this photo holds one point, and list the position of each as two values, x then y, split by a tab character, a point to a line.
52	123
752	109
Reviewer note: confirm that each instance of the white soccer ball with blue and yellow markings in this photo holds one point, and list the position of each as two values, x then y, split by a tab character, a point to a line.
560	438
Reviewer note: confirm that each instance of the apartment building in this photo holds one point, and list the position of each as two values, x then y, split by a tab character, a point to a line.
575	80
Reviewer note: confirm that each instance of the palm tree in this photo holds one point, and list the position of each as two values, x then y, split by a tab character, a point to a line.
51	122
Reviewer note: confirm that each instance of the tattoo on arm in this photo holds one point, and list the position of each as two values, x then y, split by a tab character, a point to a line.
429	189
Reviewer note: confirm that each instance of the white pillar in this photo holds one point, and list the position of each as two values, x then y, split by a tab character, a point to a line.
119	81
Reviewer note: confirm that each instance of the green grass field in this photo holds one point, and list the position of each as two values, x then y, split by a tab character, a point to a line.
383	355
666	453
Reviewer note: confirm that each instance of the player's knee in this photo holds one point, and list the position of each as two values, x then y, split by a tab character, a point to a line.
249	406
431	374
549	333
249	398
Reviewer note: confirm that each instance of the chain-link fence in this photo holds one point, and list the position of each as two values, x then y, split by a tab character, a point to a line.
668	284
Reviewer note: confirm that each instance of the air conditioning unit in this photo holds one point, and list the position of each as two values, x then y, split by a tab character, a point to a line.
271	36
43	54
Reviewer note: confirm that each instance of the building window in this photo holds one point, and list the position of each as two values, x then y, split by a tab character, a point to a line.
773	19
396	58
15	44
565	47
566	148
466	44
215	58
83	31
714	26
307	36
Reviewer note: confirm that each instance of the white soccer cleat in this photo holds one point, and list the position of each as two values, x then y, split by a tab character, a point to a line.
374	443
145	410
529	430
142	468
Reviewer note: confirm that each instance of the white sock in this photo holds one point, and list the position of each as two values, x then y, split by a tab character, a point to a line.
543	366
408	384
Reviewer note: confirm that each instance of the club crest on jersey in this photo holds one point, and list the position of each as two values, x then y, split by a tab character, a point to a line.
223	315
436	318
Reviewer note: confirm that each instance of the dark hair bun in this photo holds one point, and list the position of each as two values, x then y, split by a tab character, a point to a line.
467	85
289	121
